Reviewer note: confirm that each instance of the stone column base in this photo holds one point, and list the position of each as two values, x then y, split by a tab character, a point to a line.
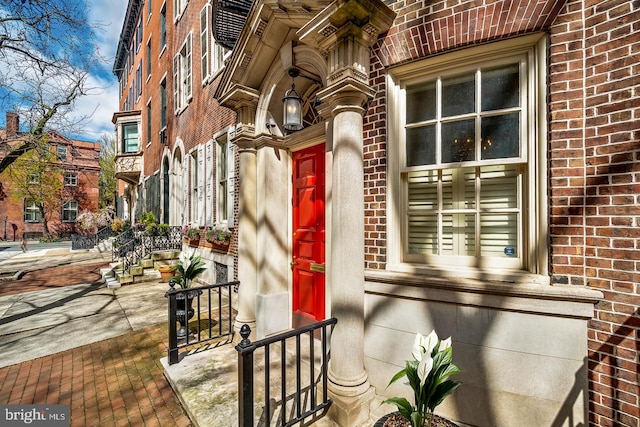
350	411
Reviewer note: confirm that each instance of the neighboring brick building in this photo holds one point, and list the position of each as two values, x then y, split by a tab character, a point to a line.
172	156
78	162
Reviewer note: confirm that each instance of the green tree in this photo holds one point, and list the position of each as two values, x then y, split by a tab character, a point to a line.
37	177
107	181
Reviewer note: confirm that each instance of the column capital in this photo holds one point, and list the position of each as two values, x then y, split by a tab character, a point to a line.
244	101
364	18
347	94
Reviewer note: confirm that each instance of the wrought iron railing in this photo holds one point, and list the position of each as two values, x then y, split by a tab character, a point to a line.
91	240
213	313
133	246
285	402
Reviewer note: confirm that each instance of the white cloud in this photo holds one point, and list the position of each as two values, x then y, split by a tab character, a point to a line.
102	102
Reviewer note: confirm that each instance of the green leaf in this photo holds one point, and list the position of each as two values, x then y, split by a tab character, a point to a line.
442	391
402	404
396	377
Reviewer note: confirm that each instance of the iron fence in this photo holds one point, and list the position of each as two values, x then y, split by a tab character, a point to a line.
304	399
213	313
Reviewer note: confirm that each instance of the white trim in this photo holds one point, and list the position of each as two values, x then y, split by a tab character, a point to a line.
534	239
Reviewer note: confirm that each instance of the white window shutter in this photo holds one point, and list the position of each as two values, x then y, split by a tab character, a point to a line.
209	167
176	83
185	192
201	175
189	67
231	183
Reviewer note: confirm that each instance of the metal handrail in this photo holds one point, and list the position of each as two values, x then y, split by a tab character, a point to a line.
294	404
203	296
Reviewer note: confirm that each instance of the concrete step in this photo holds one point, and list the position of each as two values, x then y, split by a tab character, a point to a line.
112	282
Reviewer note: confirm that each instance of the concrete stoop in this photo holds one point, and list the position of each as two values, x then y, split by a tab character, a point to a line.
145	271
206	382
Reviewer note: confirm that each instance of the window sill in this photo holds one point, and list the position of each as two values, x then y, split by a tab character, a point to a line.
524	295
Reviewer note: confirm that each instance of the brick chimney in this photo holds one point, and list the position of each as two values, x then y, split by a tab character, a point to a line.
13	124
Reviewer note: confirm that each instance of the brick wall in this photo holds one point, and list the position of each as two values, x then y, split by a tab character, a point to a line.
594	158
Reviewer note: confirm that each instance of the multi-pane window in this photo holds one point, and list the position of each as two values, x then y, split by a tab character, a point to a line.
163	27
149	2
130	138
182	75
178	7
468	161
139	35
148	59
205	41
61	152
138	80
464	164
31	211
69	211
34	178
163	104
149	122
211	54
70	179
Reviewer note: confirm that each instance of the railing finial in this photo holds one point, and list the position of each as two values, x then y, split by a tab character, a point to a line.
245	331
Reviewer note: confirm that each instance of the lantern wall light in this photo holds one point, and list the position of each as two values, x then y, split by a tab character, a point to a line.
292	113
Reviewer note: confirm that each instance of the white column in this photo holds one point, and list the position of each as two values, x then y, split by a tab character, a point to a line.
247	239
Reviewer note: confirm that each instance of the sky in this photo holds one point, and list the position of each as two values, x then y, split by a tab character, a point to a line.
108	15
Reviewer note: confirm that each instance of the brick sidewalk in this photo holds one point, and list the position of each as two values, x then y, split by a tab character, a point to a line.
116	382
54	277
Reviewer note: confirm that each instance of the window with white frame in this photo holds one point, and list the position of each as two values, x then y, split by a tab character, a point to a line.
34	178
138	81
149	122
205	42
61	152
148	58
32	211
163	104
468	160
130	137
163	27
178	8
69	211
70	179
182	76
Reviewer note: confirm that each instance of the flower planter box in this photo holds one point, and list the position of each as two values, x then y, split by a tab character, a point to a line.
217	245
192	241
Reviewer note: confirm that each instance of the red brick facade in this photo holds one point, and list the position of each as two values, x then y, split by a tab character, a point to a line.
593	158
81	161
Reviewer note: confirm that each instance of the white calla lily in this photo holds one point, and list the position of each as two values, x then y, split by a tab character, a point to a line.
445	344
424	368
430	342
418	347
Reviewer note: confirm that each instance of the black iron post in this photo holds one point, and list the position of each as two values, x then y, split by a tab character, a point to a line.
245	378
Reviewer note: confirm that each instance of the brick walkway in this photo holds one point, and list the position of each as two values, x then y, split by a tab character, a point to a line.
116	382
54	277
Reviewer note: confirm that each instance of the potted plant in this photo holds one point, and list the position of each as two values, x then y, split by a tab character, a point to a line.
428	374
219	237
187	269
167	272
191	234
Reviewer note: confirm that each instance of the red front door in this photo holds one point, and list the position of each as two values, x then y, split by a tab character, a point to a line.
308	236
